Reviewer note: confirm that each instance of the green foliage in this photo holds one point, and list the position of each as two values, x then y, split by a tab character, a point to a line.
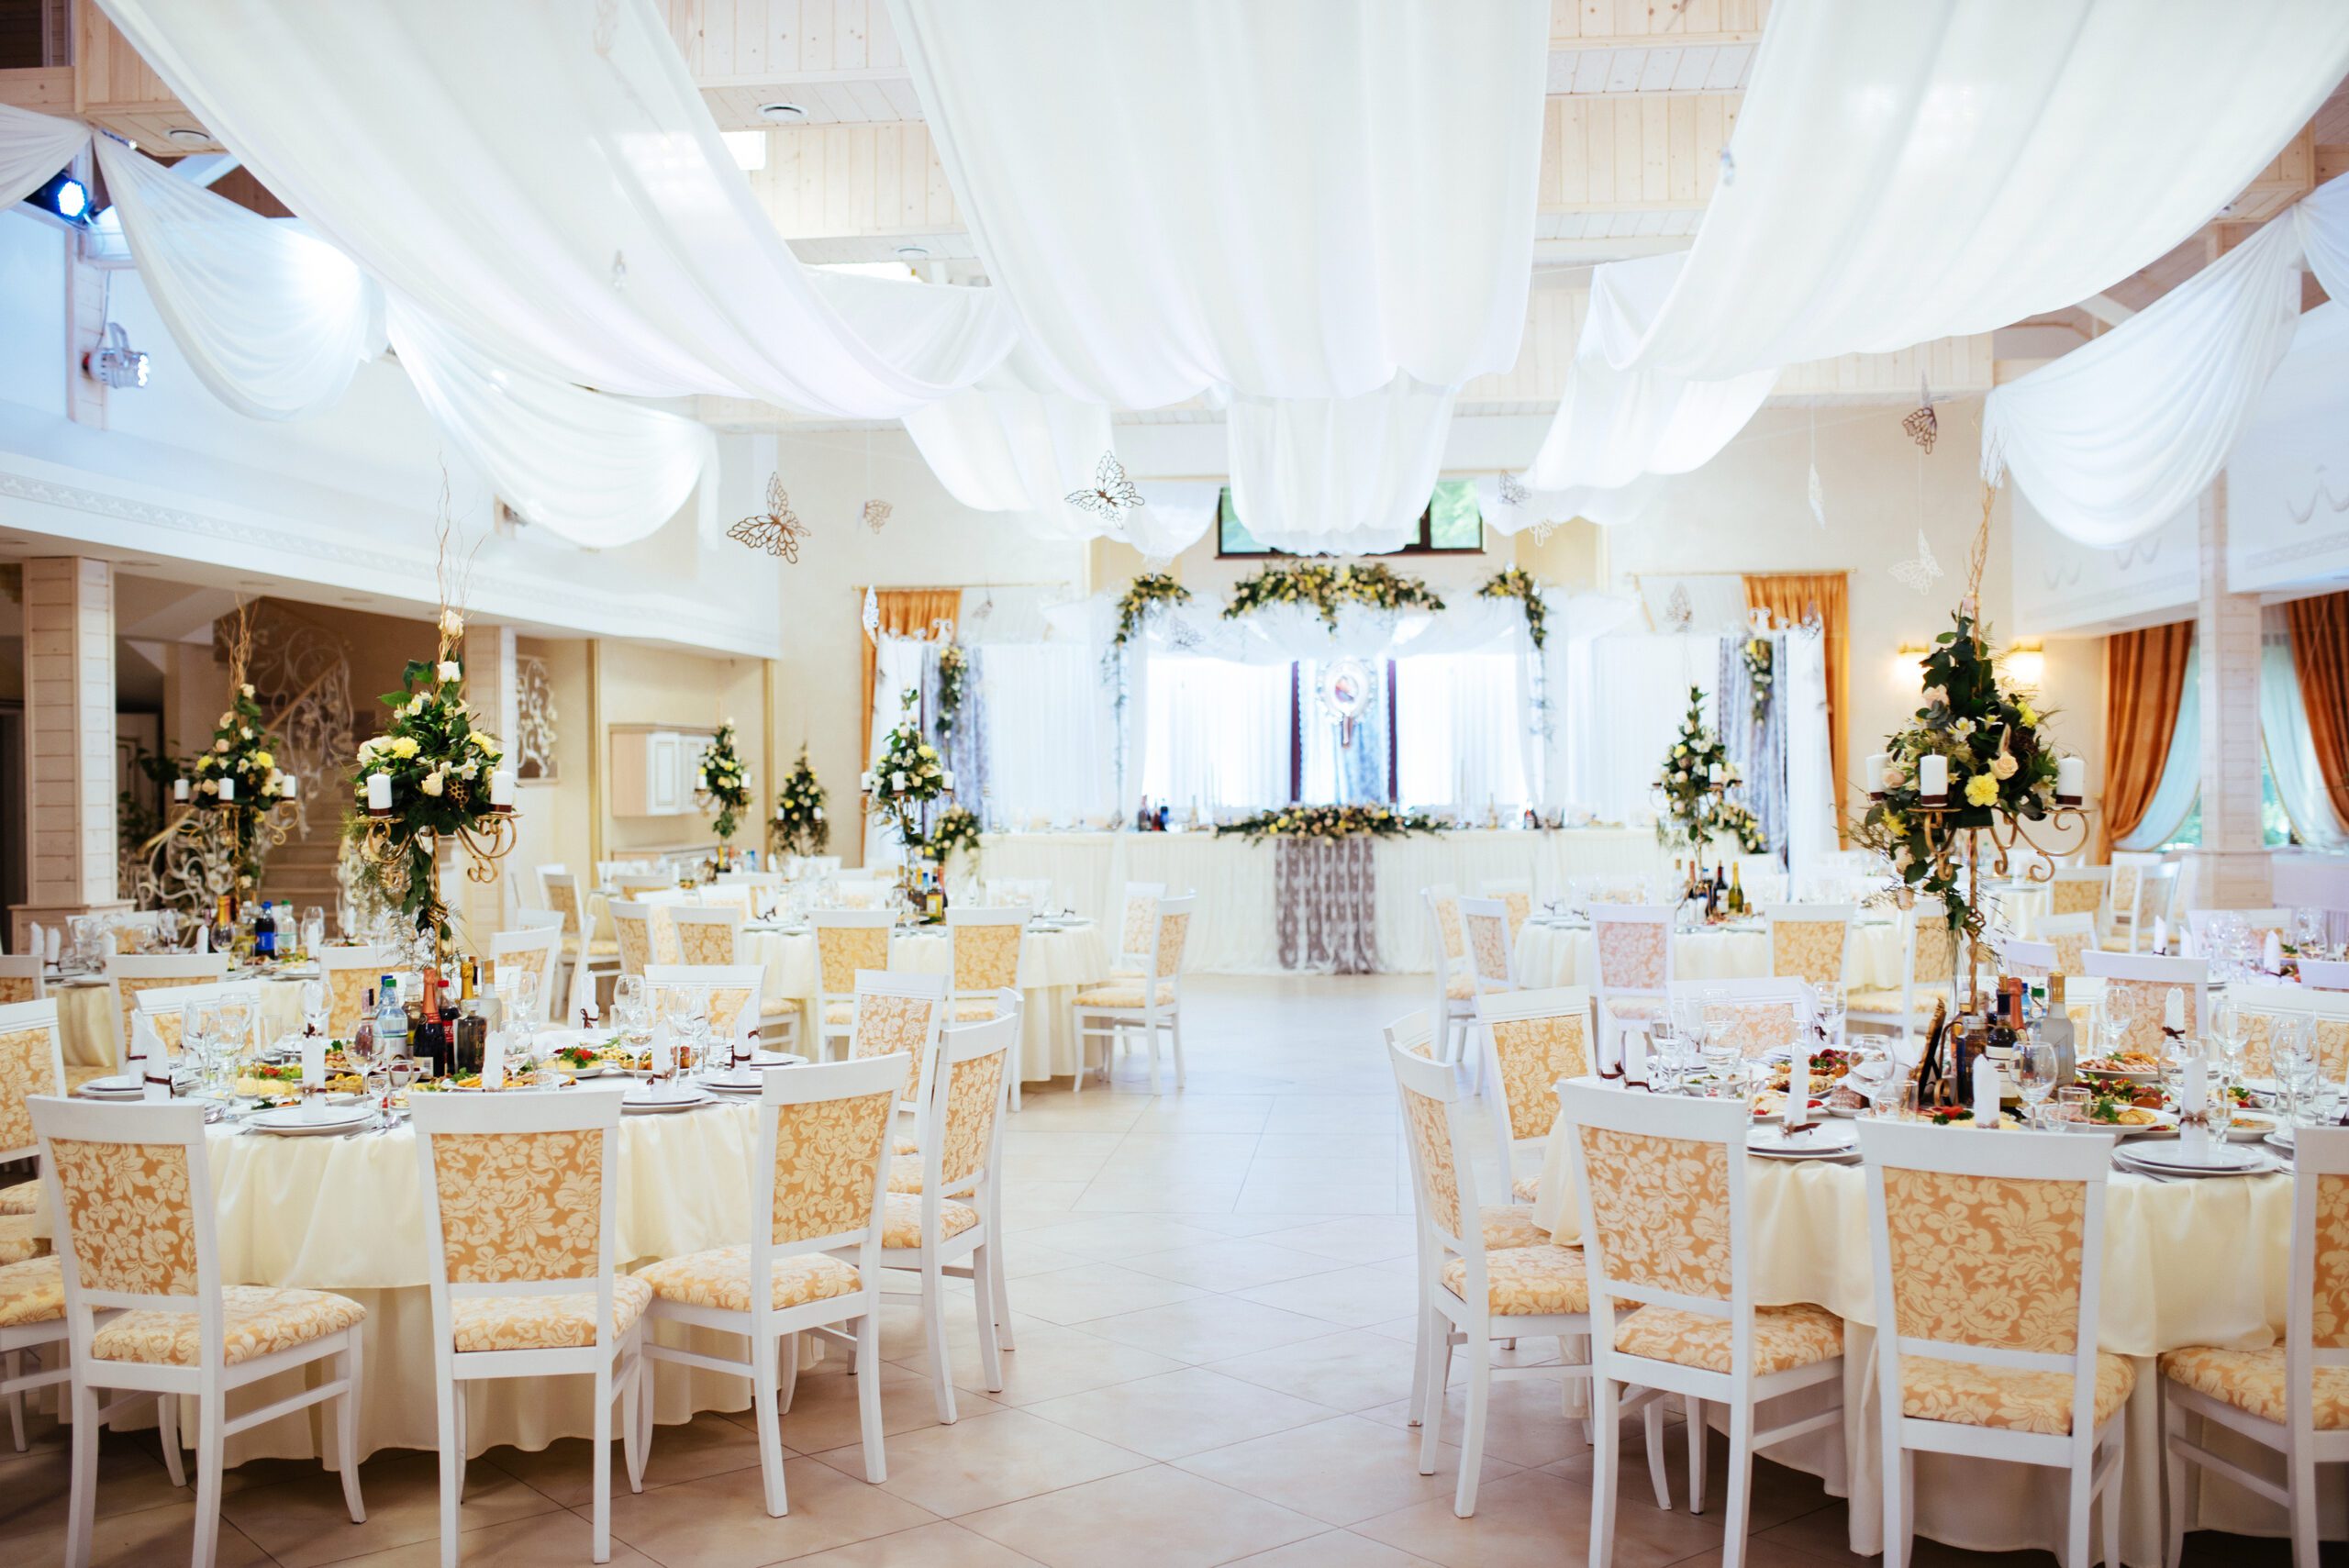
1328	822
799	826
1516	583
725	779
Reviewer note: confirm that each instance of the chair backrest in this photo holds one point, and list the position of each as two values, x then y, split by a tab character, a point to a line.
22	978
2126	882
1437	1130
520	1192
1451	936
2078	890
630	883
2257	922
2324	973
2150	899
164	1010
1531	1040
1413	1033
559	888
2072	937
1809	941
863	892
2260	1007
984	946
2033	961
531	951
1756	1015
1988	1250
1516	893
1489	959
707	933
2136	989
538	920
131	1195
1928	952
846	941
1133	920
824	1131
899	1013
128	974
32	1062
2316	1313
347	973
1173	932
733	990
1662	1183
962	1126
633	924
1633	944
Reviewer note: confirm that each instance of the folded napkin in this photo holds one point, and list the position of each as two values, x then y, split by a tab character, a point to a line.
37	940
2161	934
1635	1056
493	1061
314	1064
2271	954
1985	1091
56	943
1799	1089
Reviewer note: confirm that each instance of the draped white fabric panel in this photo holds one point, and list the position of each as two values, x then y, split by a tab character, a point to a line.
555	192
1218	734
32	148
1050	734
1460	721
2291	749
1607	505
2181	778
1810	764
274	322
1625	699
1339	475
2111	440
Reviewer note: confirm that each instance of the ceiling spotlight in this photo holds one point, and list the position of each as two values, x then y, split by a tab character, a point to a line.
189	136
912	255
783	114
115	361
63	195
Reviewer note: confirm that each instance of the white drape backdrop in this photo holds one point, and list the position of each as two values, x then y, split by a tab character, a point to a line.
1217	734
1626	696
1461	721
1050	741
1810	764
32	148
1338	475
2291	749
2181	778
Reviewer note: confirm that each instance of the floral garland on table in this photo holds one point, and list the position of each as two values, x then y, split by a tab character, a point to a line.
953	670
1142	596
1761	675
723	780
2000	764
1327	587
1516	583
957	827
1328	822
907	776
1695	781
799	826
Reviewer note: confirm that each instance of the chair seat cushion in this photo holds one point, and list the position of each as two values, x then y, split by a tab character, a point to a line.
2254	1381
1510	1225
901	1220
1886	999
1527	1281
18	1240
721	1278
1784	1337
602	946
543	1322
32	1291
778	1007
22	1198
903	1144
1526	1189
1124	996
976	1009
2013	1398
1460	988
256	1320
1634	1007
1125	972
840	1012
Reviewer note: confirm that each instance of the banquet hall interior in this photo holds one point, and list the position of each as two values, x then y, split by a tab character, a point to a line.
1371	781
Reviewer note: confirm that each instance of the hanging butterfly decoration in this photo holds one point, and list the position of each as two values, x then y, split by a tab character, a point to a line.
1182	636
1112	494
1817	497
777	530
986	606
1919	575
1513	491
1924	426
876	515
1677	609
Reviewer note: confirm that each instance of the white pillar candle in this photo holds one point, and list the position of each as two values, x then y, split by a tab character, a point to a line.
179	790
1932	776
2071	778
1877	765
379	792
501	788
1986	1092
228	787
290	786
950	778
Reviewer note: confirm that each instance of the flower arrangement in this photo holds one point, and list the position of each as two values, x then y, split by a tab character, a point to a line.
1326	588
1738	818
2000	766
242	755
1695	781
1761	673
799	826
957	827
1142	596
907	776
954	669
1328	822
724	780
1516	583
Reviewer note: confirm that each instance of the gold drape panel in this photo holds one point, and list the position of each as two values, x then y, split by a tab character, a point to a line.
1793	598
904	611
2321	658
2145	676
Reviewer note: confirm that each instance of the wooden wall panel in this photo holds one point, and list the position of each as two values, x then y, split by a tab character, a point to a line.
832	180
1645	151
728	42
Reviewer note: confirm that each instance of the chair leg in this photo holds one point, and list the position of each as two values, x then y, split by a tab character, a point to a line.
1472	1440
211	1424
2300	1464
1083	1050
983	1265
1609	1429
1418	1411
452	1474
999	1288
933	1314
600	1544
167	1431
2110	1521
762	1408
787	1389
644	1385
1175	1035
1653	1425
632	1416
868	1392
1735	1507
11	1368
1150	1033
347	1426
1698	1438
1435	1360
82	1497
2174	1478
2078	1513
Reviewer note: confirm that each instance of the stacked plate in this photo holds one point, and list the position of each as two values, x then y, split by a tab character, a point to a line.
124	1086
2168	1159
1818	1140
311	1119
650	1098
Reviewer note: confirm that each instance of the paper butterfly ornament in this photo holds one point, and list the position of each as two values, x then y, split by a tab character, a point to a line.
777	530
876	515
1112	494
1919	574
1513	491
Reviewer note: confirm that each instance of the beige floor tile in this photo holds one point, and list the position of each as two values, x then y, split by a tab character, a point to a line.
1208	1328
1053	1362
1352	1370
1358	1238
1117	1236
710	1444
1533	1520
1523	1422
1232	1263
1289	1196
1096	1290
721	1521
824	1412
302	1522
1121	1192
1200	1153
1382	1145
1238	1223
552	1540
1340	1471
140	1538
940	1545
1196	1111
1322	1115
1037	1202
1337	1549
33	1483
982	1461
1354	1297
1179	1412
1154	1518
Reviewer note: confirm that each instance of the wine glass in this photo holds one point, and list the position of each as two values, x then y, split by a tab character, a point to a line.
366	1053
2290	1048
315	1012
1828	1009
629	1004
2111	1028
2035	1070
1871	1070
167	927
313	931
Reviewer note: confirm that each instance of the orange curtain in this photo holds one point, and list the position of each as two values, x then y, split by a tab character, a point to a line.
2320	659
2145	676
1792	598
904	611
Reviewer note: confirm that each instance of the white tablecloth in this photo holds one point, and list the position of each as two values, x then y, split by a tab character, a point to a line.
86	1038
1560	955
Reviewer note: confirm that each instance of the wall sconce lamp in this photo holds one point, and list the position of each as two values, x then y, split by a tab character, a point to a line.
1905	662
2026	663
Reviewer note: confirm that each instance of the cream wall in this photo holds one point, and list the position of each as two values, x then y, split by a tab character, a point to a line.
664	687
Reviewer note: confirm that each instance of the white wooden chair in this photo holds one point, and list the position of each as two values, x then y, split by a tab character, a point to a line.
1988	1257
1927	968
2148	898
983	949
1810	942
2033	961
586	953
1632	945
901	1014
1108	1013
2274	1396
2136	987
707	933
2072	937
534	950
823	1135
2079	890
163	1013
522	1279
847	940
32	1288
147	1312
128	974
2122	886
871	894
2324	975
2258	1008
2258	922
347	973
1757	1017
647	935
1491	959
633	885
1529	1041
1455	982
1471	1293
1134	915
1516	893
22	978
732	993
1668	1227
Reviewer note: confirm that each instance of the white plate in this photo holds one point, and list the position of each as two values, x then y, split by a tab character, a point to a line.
1819	1141
748	1081
311	1121
126	1086
637	1102
2169	1159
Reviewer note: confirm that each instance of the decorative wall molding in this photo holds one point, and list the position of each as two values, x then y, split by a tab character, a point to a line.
534	721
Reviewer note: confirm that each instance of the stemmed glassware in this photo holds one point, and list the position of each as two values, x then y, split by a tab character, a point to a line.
366	1053
1871	1070
629	1008
2291	1046
314	932
314	1013
2036	1071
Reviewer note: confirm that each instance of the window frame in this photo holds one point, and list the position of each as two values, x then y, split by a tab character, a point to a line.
1423	543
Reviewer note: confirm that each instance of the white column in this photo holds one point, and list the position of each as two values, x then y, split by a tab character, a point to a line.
69	741
2231	870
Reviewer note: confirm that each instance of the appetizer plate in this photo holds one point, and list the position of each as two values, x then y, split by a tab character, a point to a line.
2215	1159
1819	1141
311	1120
647	1100
123	1087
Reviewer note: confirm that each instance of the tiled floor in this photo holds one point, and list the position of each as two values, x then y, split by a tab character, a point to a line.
1212	1294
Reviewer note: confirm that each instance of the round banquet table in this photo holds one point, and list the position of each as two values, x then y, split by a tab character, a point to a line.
2186	1262
1550	953
86	1040
1053	966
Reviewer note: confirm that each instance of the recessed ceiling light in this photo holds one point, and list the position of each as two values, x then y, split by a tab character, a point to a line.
783	114
189	136
910	254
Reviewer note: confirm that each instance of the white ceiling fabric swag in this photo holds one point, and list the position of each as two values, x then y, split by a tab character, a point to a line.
32	148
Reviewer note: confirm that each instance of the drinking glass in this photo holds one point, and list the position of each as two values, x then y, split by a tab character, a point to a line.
2111	1028
366	1053
2291	1046
195	1044
167	927
2035	1070
1827	1013
629	1006
2072	1103
313	1007
313	931
517	1001
2226	1034
2219	1102
1871	1072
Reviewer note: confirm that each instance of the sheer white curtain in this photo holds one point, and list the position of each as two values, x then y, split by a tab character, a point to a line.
897	666
2284	732
1811	766
1460	728
1049	735
1218	733
1626	696
2181	770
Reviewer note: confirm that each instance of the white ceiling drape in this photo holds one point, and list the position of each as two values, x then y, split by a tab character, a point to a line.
1338	475
1935	168
32	148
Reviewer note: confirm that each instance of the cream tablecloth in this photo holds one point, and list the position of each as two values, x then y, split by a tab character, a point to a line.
87	1040
1560	955
2185	1263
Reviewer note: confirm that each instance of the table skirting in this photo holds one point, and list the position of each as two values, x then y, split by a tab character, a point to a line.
1560	955
1325	895
87	1040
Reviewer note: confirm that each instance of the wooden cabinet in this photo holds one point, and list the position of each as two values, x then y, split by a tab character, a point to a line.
652	770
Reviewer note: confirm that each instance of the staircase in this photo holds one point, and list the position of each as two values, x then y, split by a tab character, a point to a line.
300	871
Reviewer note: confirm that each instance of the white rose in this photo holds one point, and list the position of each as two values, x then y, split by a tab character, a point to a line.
449	670
246	688
433	782
220	746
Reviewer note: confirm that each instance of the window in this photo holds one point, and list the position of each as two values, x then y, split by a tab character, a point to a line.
1451	521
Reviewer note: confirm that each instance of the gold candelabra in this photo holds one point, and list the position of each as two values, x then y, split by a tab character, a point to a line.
391	847
1947	838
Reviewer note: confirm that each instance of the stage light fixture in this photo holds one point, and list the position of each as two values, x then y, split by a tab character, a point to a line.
115	361
64	195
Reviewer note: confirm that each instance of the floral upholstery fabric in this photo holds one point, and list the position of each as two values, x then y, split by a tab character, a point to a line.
1886	998
2069	946
704	941
1174	931
1661	1209
347	997
1986	1260
1123	995
1489	944
169	1026
888	1024
22	1198
974	1010
32	1291
1525	1282
2076	895
1534	1053
721	1278
2329	1318
840	1013
827	1153
130	987
520	1206
1935	962
2258	1059
256	1320
1519	907
1439	1172
987	958
726	1004
17	988
1784	1337
1809	950
1133	929
636	941
1631	953
28	1066
1754	1028
2254	1381
1449	929
2139	1004
1510	1225
1933	1389
901	1220
1462	988
563	899
1634	1007
1526	1189
542	1322
974	1093
17	1240
2125	881
842	951
128	1212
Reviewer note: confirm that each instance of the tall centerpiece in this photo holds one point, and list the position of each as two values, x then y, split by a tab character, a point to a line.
906	776
1696	783
724	782
797	826
227	798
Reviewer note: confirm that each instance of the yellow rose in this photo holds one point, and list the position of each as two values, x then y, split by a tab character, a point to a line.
2030	714
1981	790
264	760
404	746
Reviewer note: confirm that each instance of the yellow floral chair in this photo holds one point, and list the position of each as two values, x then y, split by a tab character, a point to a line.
1491	964
647	935
1530	1040
899	1014
2079	890
707	933
730	993
128	974
1516	893
2136	988
1666	1228
2258	1009
824	1134
1989	1255
21	979
1757	1017
32	1062
1455	978
1631	944
847	940
520	1195
147	1313
536	950
1809	942
1140	908
347	973
2141	895
1928	959
163	1014
2072	937
984	949
2292	1399
583	949
952	1226
1470	1293
1113	1012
